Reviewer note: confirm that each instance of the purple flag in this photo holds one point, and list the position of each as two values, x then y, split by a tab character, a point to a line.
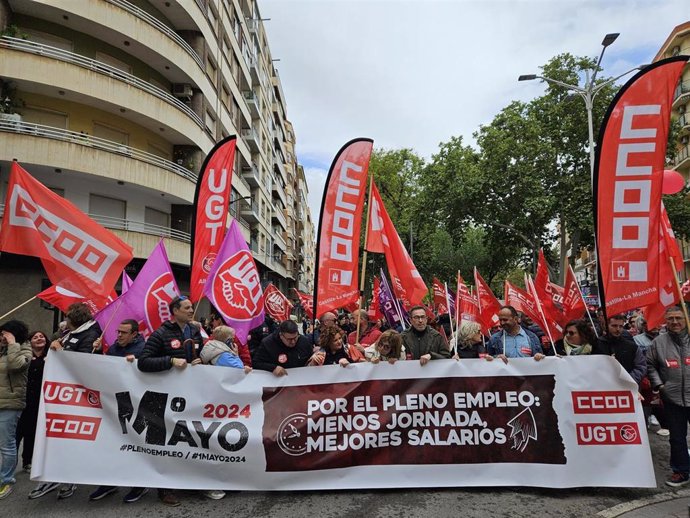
126	282
146	300
387	303
234	286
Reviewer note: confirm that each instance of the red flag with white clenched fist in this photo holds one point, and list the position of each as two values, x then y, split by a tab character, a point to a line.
276	304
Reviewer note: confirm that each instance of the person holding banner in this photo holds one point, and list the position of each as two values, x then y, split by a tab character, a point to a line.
15	357
368	333
669	376
513	341
469	342
332	348
283	350
421	341
387	348
172	345
623	348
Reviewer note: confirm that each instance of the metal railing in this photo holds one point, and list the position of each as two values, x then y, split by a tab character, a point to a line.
99	67
683	120
682	88
140	226
72	137
682	154
155	22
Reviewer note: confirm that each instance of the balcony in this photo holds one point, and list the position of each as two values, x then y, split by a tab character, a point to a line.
72	137
682	155
251	138
252	25
254	69
139	226
253	103
681	90
250	213
278	239
683	120
98	84
251	175
278	190
277	215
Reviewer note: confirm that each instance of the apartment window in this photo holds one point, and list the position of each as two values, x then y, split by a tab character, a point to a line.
52	118
235	113
113	62
236	69
156	217
211	71
111	133
225	97
48	39
210	122
105	206
155	149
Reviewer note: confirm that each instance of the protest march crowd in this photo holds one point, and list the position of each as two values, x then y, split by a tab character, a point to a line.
655	358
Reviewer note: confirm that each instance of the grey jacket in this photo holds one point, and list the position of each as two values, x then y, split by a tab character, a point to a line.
666	366
14	368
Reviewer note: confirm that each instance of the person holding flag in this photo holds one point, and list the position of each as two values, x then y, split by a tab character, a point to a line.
513	341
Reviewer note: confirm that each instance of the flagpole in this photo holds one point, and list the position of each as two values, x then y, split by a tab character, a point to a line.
541	312
364	255
450	317
594	328
680	292
457	308
20	306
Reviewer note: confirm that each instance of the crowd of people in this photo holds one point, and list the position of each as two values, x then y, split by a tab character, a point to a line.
658	360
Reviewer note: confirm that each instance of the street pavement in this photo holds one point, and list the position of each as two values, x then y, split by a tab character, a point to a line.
516	502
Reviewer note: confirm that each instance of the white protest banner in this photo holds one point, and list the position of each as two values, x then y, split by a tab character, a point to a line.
560	422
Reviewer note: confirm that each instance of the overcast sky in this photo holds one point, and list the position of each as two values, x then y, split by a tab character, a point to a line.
415	73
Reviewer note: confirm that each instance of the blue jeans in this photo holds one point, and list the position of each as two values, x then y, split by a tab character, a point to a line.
677	418
8	445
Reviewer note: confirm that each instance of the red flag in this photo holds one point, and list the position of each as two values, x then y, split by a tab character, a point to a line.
544	293
670	240
488	303
685	288
522	301
337	246
211	200
573	305
63	298
307	303
77	253
407	283
276	304
627	186
440	301
552	329
667	294
374	305
468	304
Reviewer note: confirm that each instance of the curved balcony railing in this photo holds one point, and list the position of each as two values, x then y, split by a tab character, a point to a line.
153	21
681	89
39	130
682	154
139	226
99	67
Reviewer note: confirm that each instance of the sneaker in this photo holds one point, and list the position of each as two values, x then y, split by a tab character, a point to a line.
214	494
653	421
135	494
6	490
43	489
663	432
27	468
102	492
169	499
678	480
66	490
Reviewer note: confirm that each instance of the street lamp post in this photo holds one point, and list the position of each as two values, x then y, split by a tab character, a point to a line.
588	92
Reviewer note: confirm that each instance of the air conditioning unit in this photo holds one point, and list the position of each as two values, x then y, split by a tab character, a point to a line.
675	51
182	91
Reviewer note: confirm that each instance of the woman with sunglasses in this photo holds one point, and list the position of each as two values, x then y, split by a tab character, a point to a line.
387	348
578	339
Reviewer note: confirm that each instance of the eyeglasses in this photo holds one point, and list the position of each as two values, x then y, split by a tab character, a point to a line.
571	333
289	338
419	317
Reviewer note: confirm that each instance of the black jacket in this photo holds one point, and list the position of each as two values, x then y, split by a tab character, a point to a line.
273	353
134	348
81	339
625	350
167	342
35	382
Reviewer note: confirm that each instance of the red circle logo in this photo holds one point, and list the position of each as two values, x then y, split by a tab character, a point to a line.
175	344
237	287
207	262
282	358
161	291
628	433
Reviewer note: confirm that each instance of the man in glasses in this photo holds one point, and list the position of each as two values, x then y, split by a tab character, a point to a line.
421	341
173	345
283	350
668	362
129	343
